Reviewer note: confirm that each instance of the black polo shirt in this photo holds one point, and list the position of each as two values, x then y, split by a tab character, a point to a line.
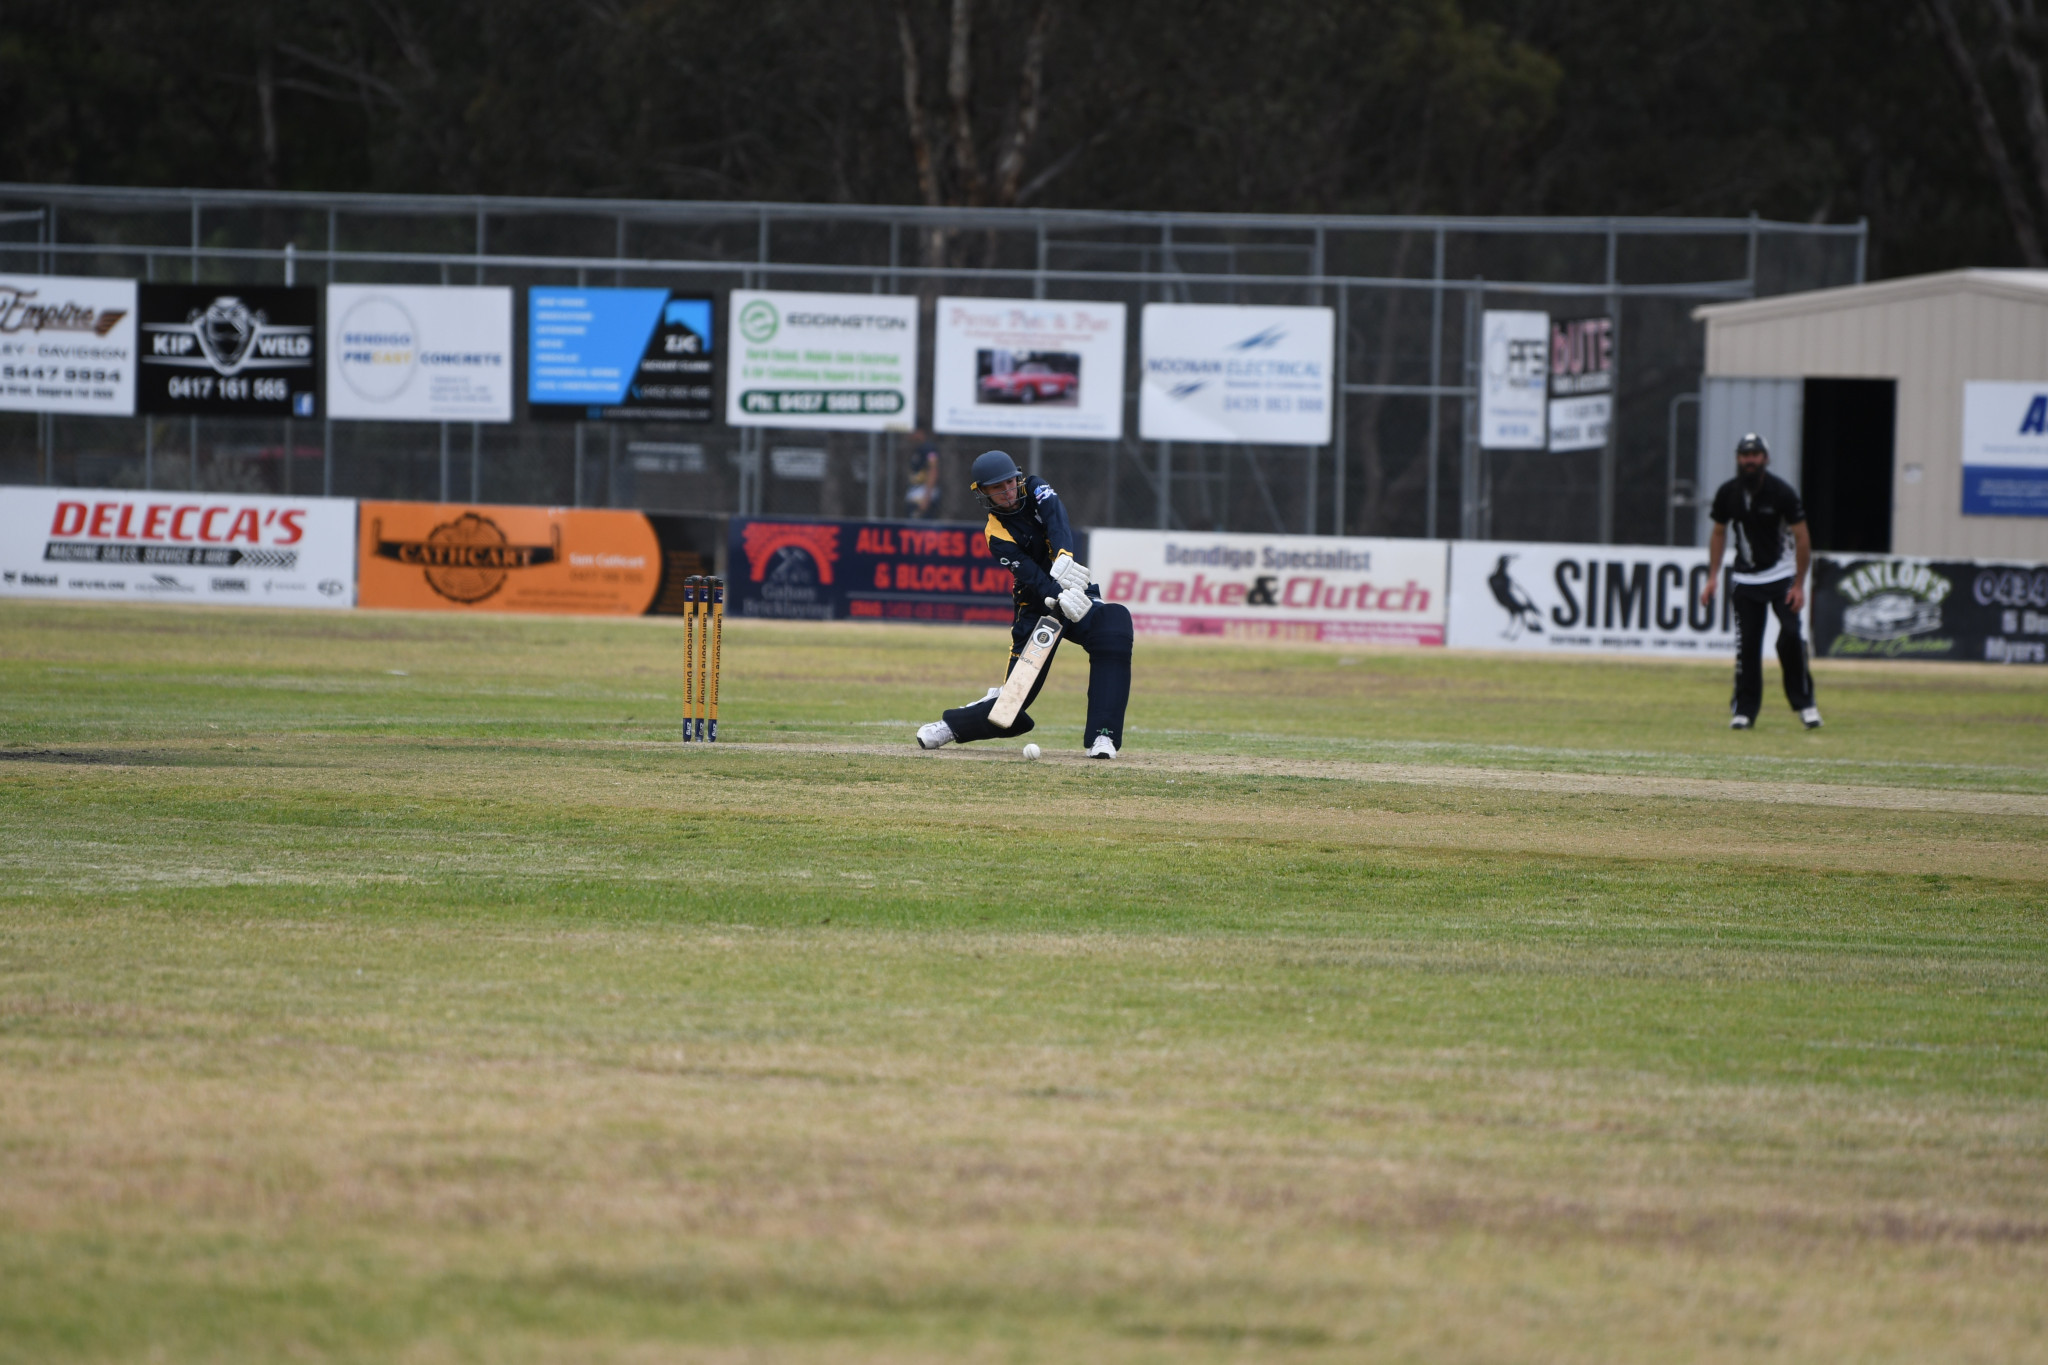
1762	523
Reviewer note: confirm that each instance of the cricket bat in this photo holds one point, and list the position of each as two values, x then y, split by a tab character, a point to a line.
1030	664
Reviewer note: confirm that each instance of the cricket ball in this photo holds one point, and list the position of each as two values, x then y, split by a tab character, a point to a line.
1031	751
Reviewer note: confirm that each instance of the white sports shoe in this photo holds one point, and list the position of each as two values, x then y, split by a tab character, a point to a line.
936	735
1738	723
1810	718
1102	748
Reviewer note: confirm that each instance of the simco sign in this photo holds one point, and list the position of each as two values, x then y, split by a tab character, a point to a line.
1627	599
189	547
1274	587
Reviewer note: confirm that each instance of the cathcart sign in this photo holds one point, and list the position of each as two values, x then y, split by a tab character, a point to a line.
191	547
67	344
1219	372
1275	587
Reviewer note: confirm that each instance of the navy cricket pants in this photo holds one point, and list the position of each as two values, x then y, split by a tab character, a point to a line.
1752	601
1105	633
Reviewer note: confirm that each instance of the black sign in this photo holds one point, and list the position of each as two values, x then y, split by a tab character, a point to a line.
800	569
1965	610
225	351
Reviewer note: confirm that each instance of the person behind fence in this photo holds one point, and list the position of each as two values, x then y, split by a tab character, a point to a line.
923	494
1029	535
1772	551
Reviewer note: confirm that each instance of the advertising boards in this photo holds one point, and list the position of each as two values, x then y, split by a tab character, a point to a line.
1895	608
1618	599
2005	449
1514	370
827	362
813	570
1274	587
419	354
236	351
67	344
475	557
217	548
1581	382
1028	367
1220	372
598	355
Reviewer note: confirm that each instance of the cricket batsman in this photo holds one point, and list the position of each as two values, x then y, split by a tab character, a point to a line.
1028	534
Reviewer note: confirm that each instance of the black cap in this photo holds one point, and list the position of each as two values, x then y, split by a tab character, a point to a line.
1752	444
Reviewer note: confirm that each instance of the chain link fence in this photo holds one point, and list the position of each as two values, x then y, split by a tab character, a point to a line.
1408	294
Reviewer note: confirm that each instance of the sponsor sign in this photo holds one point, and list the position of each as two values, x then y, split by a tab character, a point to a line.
419	354
1025	367
2005	450
827	362
67	344
1581	382
595	355
1620	599
178	547
864	570
1514	370
472	557
228	352
1274	587
1895	608
1218	372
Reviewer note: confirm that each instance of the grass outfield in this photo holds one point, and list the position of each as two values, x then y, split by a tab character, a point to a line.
387	987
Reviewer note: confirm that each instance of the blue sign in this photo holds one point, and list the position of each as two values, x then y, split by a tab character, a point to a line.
597	355
798	568
2005	449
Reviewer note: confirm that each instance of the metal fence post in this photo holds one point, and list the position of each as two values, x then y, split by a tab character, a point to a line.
1470	456
1436	383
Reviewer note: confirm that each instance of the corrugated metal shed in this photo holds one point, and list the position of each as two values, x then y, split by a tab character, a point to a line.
1932	334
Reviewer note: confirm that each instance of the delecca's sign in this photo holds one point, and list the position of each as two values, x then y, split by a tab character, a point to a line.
67	344
177	547
1026	367
618	355
1610	599
419	354
1220	372
239	352
826	362
864	570
1887	608
1274	587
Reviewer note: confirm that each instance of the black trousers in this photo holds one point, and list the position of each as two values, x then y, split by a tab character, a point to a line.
1752	601
1106	634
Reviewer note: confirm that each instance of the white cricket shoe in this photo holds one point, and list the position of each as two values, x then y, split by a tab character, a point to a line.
937	735
1738	723
1810	718
1102	748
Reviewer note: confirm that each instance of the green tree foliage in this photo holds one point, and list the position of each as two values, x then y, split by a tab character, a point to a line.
1820	109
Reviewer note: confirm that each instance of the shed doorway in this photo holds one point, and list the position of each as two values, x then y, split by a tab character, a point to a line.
1846	447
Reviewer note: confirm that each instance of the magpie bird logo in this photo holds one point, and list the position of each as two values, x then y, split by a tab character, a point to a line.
1522	612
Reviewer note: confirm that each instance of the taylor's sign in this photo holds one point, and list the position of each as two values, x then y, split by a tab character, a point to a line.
1895	608
1219	372
826	362
1274	587
67	344
2005	449
1619	599
218	548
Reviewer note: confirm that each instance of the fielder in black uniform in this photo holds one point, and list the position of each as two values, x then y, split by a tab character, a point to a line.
1028	534
1772	551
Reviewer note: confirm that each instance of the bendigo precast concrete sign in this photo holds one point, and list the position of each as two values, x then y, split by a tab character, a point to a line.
1275	587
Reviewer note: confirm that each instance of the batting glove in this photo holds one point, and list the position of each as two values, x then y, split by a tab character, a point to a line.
1069	572
1075	604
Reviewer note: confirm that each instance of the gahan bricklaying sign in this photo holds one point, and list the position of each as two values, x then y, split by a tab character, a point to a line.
864	570
1275	587
195	547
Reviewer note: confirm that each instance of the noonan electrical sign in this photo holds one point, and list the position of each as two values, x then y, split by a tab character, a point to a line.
1275	587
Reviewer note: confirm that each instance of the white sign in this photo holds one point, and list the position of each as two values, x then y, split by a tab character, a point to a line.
419	353
828	362
1023	367
67	344
1216	372
1274	587
177	547
2005	449
1620	599
1514	370
1580	423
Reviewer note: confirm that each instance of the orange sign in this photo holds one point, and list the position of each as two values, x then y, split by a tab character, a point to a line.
454	557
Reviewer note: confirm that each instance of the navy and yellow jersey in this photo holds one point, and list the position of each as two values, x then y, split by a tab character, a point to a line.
1025	542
